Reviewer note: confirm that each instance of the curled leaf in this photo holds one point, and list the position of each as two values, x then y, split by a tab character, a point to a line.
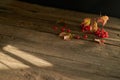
94	27
62	34
99	41
103	20
86	22
65	36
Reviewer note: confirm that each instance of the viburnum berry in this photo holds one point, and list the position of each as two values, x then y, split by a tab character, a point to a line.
85	36
101	33
104	35
85	28
77	37
55	28
102	30
68	30
63	29
98	31
102	41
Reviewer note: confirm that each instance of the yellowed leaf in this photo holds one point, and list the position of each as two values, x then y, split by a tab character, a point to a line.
94	27
103	20
86	22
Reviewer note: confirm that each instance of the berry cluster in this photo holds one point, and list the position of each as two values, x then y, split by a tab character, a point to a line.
93	26
88	25
85	28
101	33
64	31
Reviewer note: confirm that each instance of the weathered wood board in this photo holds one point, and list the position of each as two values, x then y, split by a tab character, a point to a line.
31	50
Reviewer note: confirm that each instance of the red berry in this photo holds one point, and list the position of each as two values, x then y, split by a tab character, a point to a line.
83	30
101	33
102	41
63	29
98	31
106	33
87	28
77	37
68	30
85	36
55	28
102	30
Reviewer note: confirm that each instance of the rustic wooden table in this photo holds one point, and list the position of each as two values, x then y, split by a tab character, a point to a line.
31	50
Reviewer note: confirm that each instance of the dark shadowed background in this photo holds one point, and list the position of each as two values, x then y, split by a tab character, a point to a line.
106	7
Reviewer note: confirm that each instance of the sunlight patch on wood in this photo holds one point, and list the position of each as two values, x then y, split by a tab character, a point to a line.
3	67
7	62
27	56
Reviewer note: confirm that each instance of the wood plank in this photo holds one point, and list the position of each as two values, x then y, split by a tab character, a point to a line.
27	28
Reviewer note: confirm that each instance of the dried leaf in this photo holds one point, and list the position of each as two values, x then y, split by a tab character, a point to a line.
62	34
86	22
99	41
103	20
65	36
94	27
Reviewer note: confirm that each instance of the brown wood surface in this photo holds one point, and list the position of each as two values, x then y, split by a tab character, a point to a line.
26	29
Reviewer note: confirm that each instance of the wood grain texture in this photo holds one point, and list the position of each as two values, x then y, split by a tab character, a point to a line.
27	27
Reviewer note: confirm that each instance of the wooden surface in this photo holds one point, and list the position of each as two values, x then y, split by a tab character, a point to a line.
31	50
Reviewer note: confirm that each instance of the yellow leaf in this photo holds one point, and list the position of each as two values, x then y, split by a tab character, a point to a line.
86	22
103	20
94	27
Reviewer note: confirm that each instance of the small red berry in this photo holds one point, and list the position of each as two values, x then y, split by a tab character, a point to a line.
55	28
85	36
68	30
83	30
77	37
103	35
63	29
102	41
87	28
102	30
